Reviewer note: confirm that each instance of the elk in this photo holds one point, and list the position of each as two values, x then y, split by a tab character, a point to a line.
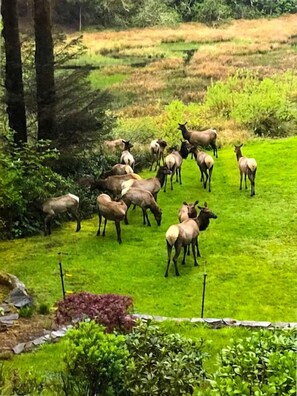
157	148
205	163
126	157
187	211
114	145
145	200
53	206
111	210
186	233
174	162
248	167
202	138
118	169
113	184
153	184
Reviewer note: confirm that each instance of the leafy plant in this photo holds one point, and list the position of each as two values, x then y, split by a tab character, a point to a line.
163	364
26	311
110	310
263	364
95	361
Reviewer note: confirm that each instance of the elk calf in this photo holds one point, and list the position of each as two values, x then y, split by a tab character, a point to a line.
111	210
205	163
126	157
53	206
247	167
145	200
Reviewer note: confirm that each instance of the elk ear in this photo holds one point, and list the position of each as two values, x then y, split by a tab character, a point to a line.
124	141
196	202
185	123
200	207
241	145
205	204
185	203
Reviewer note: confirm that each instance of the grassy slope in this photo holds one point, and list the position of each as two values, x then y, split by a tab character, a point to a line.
250	251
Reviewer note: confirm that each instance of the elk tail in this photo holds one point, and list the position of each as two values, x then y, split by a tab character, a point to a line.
209	161
172	234
74	197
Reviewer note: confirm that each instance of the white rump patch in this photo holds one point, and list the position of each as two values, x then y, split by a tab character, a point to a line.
172	234
252	164
74	197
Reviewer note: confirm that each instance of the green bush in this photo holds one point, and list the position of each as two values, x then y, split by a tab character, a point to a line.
211	11
26	180
266	107
263	364
162	364
95	361
162	14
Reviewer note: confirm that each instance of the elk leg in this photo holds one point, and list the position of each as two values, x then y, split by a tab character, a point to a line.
147	218
99	220
240	185
165	183
180	179
105	222
175	257
245	181
210	174
206	178
189	251
171	180
197	247
194	252
47	225
144	217
118	228
134	206
169	250
185	252
126	214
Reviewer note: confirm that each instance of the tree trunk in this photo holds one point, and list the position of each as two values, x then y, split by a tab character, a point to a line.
79	27
44	64
13	71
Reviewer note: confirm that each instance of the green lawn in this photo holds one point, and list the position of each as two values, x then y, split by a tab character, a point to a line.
249	252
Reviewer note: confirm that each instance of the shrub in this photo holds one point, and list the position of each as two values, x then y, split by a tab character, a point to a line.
95	361
163	364
25	180
265	106
211	11
110	310
263	364
162	15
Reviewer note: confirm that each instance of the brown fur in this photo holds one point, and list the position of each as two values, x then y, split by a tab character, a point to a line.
111	210
247	167
200	138
53	206
145	200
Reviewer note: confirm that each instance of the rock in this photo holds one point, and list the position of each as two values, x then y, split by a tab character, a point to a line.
19	298
19	348
249	323
14	316
39	341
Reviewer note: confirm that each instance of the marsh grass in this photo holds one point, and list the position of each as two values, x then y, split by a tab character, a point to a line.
249	252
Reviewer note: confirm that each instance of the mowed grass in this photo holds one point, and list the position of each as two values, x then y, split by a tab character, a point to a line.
249	252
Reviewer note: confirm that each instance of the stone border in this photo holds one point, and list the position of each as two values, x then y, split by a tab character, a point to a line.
214	323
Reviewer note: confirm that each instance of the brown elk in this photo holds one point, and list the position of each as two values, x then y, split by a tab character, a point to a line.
205	163
153	184
118	169
145	200
157	148
113	184
200	138
174	162
114	145
53	206
186	233
111	210
126	157
187	211
247	167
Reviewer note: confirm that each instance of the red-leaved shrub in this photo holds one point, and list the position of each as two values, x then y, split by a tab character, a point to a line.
109	310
